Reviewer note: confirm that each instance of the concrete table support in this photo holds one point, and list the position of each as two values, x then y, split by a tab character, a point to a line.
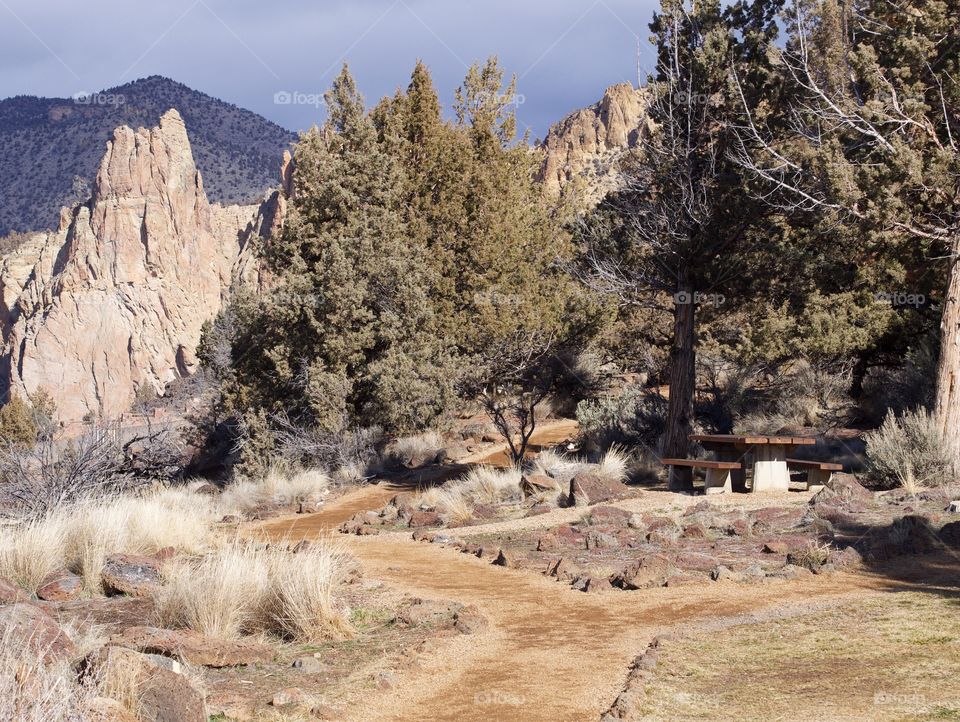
770	472
719	481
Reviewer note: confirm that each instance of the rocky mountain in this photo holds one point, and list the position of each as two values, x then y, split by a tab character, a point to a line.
114	299
50	147
582	151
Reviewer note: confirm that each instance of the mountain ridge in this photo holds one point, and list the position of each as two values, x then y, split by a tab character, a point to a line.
50	148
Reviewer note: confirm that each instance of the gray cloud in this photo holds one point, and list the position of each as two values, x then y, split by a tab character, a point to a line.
564	52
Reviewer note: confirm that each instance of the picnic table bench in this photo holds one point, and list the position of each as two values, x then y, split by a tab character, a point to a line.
719	473
765	456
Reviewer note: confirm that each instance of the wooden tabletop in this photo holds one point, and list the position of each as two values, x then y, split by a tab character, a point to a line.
752	440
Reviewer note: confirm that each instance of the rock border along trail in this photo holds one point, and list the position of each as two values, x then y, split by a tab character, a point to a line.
550	653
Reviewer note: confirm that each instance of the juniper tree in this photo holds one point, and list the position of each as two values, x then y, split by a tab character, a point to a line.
683	229
872	143
347	334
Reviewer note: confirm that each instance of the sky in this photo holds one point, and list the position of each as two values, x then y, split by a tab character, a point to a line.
277	57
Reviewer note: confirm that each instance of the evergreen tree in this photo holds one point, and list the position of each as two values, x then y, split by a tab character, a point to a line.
348	334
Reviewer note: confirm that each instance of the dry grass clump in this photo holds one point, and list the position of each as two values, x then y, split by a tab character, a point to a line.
813	556
243	588
557	465
614	464
281	486
80	536
31	550
409	448
456	500
134	525
34	691
488	485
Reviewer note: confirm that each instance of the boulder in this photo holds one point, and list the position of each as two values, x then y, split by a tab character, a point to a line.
10	593
724	573
309	664
60	586
564	570
587	583
538	510
505	559
469	620
845	490
609	516
568	535
533	484
591	487
289	697
27	627
846	558
791	571
650	571
950	534
695	531
193	647
421	519
427	611
547	542
130	574
599	539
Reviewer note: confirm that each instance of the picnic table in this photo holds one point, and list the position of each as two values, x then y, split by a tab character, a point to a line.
765	455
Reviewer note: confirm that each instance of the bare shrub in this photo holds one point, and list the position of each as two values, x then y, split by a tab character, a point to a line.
104	460
635	417
910	450
349	455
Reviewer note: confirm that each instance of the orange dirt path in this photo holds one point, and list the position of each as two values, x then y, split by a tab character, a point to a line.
551	653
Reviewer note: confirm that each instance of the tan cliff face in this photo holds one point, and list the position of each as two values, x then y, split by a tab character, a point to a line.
582	151
115	299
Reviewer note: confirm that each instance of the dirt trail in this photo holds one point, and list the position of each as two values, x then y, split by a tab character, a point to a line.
551	653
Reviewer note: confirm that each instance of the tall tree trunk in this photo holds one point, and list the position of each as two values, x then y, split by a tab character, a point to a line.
948	370
682	382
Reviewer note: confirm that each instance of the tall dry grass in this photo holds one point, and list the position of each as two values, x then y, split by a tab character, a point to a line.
80	536
243	588
282	486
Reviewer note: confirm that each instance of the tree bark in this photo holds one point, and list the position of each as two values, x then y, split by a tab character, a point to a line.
947	407
682	387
